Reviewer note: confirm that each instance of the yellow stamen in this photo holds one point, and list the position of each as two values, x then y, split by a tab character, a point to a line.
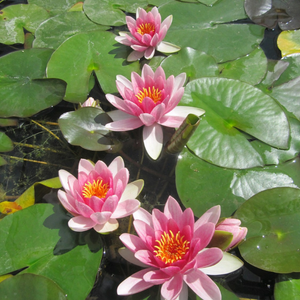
152	93
96	188
171	248
146	28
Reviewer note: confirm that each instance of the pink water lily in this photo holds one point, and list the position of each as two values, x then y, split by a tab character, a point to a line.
99	196
171	248
233	225
149	100
146	34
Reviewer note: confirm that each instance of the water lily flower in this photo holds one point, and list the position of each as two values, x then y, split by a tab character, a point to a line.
146	34
233	225
90	102
149	100
171	248
99	196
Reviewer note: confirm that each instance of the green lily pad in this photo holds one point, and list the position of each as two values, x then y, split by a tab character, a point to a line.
287	286
39	238
15	18
6	143
250	68
203	28
111	12
84	53
208	2
232	106
273	239
287	95
85	127
56	30
289	42
194	63
273	156
30	286
201	185
292	71
22	79
54	7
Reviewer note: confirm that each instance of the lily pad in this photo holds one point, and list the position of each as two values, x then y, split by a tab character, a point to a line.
287	286
292	71
287	95
6	143
54	31
54	7
232	106
289	42
84	53
201	185
41	240
111	12
15	18
194	63
30	286
85	127
273	239
250	68
22	79
206	28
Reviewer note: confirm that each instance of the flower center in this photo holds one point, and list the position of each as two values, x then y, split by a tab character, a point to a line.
146	28
171	247
95	188
152	93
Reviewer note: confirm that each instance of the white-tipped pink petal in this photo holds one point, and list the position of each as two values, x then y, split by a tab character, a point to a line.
167	21
81	223
228	264
172	288
129	256
134	56
132	190
85	166
212	215
116	165
143	215
109	226
202	285
165	47
149	52
153	140
126	208
68	202
130	123
134	284
64	177
172	209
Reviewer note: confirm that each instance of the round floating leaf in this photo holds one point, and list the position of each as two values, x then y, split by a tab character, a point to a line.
203	28
54	31
287	95
54	6
289	42
30	286
194	63
231	106
273	156
84	53
273	239
111	12
250	68
85	127
202	185
287	286
39	238
208	2
6	143
22	80
292	70
14	18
